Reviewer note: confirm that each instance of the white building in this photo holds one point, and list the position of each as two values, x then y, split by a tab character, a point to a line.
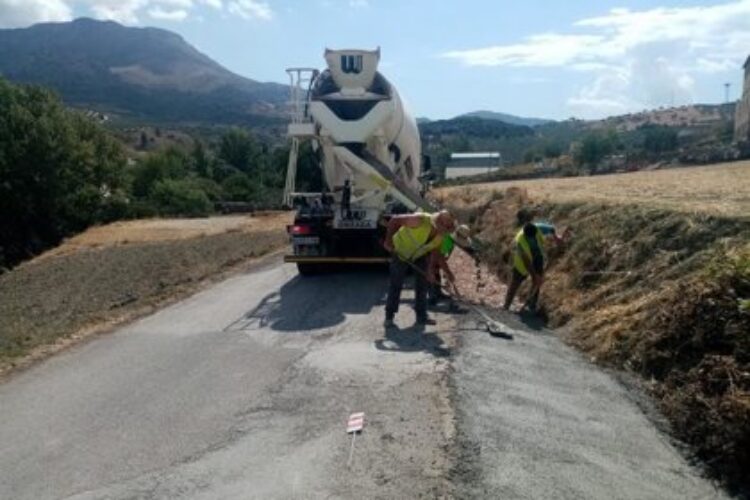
466	164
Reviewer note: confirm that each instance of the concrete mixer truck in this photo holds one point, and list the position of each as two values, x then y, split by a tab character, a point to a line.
368	149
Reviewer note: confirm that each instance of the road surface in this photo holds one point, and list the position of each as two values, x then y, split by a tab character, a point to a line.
243	391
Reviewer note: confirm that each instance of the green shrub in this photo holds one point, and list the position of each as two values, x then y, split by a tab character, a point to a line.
180	197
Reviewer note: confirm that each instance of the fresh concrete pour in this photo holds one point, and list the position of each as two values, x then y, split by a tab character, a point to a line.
243	391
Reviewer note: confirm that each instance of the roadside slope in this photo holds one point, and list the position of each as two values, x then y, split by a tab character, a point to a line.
655	281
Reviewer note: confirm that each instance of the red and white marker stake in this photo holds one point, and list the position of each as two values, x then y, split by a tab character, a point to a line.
354	425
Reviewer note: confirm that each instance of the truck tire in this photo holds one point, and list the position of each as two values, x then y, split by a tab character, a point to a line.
308	269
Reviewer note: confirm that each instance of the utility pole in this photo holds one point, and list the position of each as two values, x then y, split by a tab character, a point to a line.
726	92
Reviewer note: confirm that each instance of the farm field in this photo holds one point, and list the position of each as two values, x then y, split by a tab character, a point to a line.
716	189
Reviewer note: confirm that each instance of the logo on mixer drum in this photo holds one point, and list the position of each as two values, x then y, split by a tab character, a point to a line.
351	64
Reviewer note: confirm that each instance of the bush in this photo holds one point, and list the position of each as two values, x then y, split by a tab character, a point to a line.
168	164
660	139
239	187
180	197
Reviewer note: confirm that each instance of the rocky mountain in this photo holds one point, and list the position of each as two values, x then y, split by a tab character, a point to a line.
142	73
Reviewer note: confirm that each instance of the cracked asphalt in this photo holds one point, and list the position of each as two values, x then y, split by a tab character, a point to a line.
243	391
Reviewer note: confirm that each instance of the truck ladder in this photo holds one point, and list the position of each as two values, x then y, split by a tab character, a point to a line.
301	81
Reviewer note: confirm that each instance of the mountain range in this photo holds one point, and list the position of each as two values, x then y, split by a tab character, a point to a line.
141	73
504	117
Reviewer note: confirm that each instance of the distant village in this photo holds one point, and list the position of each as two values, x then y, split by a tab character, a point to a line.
694	121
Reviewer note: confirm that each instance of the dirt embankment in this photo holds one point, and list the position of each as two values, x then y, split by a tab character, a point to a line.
113	273
656	291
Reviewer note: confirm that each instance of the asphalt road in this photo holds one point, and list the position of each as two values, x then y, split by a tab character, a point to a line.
243	391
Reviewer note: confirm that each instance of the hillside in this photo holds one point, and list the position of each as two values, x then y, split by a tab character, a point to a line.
504	117
694	116
136	72
442	137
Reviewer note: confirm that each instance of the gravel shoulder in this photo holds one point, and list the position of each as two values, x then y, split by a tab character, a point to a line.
536	420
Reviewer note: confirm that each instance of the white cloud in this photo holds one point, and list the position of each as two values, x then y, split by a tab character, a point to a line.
22	13
251	9
216	4
547	49
122	11
637	58
18	13
168	15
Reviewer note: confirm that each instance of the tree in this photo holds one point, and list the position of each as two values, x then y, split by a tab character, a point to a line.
180	197
595	147
201	161
239	149
552	150
239	187
170	163
660	139
59	171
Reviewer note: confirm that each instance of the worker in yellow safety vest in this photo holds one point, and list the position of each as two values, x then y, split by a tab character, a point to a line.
529	257
411	239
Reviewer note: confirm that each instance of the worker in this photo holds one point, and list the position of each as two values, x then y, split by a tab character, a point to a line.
411	238
529	256
439	264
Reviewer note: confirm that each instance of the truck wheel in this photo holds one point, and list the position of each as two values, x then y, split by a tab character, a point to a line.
308	269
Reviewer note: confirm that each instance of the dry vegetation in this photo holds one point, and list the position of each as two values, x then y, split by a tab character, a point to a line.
156	230
113	273
718	189
656	281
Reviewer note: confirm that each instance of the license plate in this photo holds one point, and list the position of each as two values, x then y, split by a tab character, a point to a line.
306	240
356	224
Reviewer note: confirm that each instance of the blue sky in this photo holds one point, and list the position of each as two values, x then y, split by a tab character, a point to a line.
540	58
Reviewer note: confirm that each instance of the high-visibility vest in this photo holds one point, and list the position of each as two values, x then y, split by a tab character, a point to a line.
522	245
411	243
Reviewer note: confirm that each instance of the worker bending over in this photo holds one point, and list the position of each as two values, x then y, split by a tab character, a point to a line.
411	239
529	257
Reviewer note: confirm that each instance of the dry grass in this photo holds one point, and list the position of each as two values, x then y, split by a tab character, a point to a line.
155	230
718	189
